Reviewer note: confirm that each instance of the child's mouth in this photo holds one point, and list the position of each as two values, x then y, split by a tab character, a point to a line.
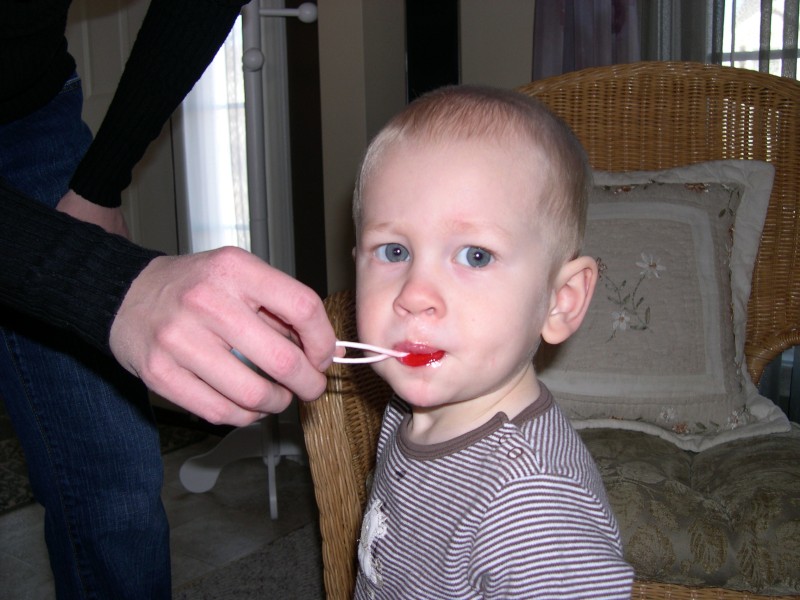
421	359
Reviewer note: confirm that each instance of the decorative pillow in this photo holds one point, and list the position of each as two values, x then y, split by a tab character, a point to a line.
662	347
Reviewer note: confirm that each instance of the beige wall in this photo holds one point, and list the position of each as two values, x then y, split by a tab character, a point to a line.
362	66
362	83
496	41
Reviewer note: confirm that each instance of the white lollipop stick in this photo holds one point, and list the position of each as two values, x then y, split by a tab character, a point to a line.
382	353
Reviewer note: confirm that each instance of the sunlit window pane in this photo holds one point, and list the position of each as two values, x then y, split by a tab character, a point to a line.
742	35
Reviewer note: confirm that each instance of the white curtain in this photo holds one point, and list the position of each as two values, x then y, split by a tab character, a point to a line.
214	153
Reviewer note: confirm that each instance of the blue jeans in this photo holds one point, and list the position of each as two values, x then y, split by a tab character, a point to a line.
85	424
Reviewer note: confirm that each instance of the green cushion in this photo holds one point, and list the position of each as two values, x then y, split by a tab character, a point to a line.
728	516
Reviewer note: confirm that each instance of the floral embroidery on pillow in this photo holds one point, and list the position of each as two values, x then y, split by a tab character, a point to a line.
632	313
671	420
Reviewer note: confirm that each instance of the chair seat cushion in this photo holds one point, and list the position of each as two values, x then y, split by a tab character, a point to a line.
728	516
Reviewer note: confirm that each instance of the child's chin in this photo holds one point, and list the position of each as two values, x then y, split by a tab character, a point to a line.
419	398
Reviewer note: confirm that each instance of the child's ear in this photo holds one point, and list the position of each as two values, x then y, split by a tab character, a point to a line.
572	291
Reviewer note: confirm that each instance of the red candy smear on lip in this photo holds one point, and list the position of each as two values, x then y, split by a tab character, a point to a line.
421	360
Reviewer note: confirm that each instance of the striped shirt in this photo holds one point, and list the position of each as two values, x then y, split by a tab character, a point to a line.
513	509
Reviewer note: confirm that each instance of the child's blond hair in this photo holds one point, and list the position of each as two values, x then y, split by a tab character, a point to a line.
462	112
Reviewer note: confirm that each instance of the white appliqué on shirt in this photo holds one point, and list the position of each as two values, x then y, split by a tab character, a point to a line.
373	527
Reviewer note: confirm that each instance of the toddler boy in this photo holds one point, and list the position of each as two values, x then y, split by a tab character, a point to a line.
469	208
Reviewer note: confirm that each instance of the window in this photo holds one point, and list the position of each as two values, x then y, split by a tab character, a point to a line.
214	154
760	35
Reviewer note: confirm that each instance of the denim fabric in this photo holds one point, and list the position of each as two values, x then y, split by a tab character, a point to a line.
85	424
39	153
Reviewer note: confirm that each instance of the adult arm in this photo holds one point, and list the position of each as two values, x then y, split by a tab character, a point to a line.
172	321
64	272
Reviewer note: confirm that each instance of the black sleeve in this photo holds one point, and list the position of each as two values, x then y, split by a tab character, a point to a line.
65	272
177	41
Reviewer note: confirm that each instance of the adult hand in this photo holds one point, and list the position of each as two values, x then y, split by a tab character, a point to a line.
183	315
110	219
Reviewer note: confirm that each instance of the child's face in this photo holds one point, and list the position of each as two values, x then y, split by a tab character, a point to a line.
450	259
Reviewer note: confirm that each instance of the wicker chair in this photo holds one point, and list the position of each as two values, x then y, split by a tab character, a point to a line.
641	116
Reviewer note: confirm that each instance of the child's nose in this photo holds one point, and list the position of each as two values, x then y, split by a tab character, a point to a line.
420	295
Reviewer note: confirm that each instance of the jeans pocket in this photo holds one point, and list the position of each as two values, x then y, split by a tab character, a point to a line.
71	84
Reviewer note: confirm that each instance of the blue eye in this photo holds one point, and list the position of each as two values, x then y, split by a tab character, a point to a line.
392	253
474	256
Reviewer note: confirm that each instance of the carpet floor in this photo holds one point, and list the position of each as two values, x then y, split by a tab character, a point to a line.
288	568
